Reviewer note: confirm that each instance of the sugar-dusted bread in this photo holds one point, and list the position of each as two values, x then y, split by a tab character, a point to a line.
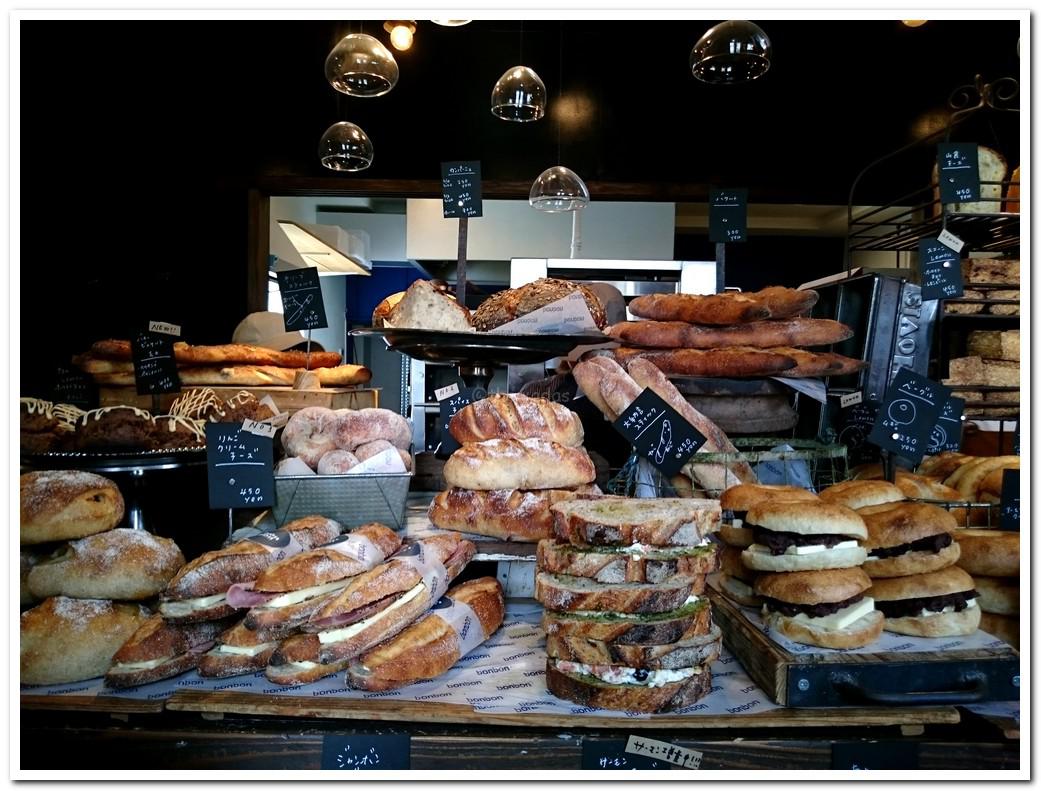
515	416
57	505
518	464
425	308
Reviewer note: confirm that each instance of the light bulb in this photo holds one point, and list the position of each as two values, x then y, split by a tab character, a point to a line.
401	37
914	22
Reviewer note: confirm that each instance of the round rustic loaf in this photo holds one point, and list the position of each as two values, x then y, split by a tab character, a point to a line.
518	464
515	416
309	434
352	429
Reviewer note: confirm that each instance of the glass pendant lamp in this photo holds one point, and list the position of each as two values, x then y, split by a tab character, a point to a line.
345	147
730	53
361	66
558	189
519	95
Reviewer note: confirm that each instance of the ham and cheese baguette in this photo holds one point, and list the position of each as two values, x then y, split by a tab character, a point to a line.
375	605
160	649
457	624
238	651
199	591
225	354
286	593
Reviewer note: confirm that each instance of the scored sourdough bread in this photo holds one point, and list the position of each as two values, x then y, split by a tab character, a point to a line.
620	564
518	464
507	514
683	623
689	652
578	594
655	521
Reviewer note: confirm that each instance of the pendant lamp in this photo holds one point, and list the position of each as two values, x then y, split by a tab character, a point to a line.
345	147
558	189
731	53
519	95
361	66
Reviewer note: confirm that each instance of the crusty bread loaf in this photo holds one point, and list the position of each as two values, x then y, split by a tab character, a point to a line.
607	385
603	565
57	505
563	593
686	622
988	553
27	560
425	308
731	362
505	306
225	354
660	522
382	310
1000	373
761	334
730	307
65	640
812	364
507	514
1007	309
518	464
588	691
693	651
514	416
117	564
429	647
966	308
252	376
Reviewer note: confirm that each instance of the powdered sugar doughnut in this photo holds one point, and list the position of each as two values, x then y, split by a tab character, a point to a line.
336	462
308	434
292	466
368	425
370	449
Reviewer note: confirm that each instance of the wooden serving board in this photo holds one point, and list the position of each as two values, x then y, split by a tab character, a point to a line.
104	704
286	398
841	678
215	704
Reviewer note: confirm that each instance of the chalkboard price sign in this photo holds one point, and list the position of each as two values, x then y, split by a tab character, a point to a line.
363	751
461	189
659	433
1010	500
728	215
906	419
940	268
302	304
946	434
73	387
610	754
155	369
239	467
959	168
451	404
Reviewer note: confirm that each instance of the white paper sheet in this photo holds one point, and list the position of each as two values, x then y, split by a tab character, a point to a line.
567	316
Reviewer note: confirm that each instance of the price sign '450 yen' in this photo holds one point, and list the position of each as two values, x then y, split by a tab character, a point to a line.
239	467
659	433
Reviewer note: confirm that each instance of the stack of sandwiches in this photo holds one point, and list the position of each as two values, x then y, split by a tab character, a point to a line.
518	457
626	620
991	557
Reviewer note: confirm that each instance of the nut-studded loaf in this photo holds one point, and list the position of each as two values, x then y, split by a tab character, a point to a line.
505	306
730	307
507	514
514	416
761	334
614	565
57	505
518	464
660	522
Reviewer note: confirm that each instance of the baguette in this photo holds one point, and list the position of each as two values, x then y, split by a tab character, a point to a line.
729	307
660	522
238	651
198	592
518	464
430	647
225	354
686	622
699	650
761	334
624	565
567	594
731	362
251	376
506	514
810	364
607	385
160	649
575	684
515	416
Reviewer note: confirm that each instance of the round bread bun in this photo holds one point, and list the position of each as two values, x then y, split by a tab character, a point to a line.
813	587
738	591
845	558
745	495
997	595
861	632
1004	627
730	563
968	484
119	564
911	563
739	537
944	624
858	494
292	465
807	519
941	466
921	586
919	487
894	524
989	553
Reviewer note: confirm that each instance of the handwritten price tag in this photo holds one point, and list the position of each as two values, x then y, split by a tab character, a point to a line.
652	748
239	467
659	433
908	415
155	369
461	189
958	165
302	305
728	215
940	268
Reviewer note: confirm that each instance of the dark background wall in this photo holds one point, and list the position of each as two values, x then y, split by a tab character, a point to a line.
139	140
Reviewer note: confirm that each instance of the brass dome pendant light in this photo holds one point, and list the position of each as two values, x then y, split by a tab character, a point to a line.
359	65
731	53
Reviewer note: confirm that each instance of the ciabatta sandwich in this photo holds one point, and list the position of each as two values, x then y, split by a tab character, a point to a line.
160	649
803	537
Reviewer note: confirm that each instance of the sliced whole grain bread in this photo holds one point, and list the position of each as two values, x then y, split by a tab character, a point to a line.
604	565
691	652
590	691
662	522
686	622
562	592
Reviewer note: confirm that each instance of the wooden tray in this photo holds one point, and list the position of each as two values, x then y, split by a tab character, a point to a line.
887	679
286	398
104	704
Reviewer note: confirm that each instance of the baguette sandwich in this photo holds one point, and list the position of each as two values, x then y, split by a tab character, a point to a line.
458	623
199	591
160	649
238	651
375	606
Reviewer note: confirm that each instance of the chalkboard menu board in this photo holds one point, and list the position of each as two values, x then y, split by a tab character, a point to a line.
910	411
451	399
1010	500
610	754
940	269
239	467
728	215
946	434
959	168
659	433
73	387
302	304
362	751
461	189
155	369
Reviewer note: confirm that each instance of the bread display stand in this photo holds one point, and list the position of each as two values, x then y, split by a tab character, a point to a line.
897	671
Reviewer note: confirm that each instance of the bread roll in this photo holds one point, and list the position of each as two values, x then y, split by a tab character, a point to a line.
997	595
352	428
65	640
514	416
989	553
377	446
57	505
518	464
309	435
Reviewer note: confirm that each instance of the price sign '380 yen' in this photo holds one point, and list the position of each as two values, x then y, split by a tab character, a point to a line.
239	467
659	433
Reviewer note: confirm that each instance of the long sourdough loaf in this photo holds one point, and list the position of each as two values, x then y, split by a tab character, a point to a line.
693	651
730	307
732	362
684	623
659	522
507	514
515	416
809	364
252	376
518	464
761	334
567	594
225	354
603	565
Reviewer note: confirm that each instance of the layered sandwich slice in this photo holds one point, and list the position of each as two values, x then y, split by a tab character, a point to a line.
661	522
161	649
689	620
633	563
238	651
564	593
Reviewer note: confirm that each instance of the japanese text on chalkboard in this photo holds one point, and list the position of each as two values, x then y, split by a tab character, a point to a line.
940	270
728	215
659	433
302	305
239	467
155	369
461	189
907	417
959	174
